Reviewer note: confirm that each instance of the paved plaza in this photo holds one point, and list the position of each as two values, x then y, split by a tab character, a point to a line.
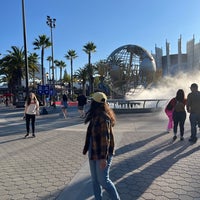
147	164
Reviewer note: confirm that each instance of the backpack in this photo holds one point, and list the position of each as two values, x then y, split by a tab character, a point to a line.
179	106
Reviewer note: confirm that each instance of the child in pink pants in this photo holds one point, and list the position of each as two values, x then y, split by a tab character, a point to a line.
169	114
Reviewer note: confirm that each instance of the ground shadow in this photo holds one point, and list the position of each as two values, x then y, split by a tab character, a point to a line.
141	180
16	126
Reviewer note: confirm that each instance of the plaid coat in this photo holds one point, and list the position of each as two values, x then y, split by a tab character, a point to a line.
100	135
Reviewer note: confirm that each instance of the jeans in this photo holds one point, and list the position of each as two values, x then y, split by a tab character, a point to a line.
100	178
194	121
179	119
169	114
28	119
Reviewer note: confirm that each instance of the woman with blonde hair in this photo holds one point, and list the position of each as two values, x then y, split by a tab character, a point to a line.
31	110
99	144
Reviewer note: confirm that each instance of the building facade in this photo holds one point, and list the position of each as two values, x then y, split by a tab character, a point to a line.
172	64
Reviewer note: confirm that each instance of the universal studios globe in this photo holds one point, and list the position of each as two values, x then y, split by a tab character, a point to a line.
130	66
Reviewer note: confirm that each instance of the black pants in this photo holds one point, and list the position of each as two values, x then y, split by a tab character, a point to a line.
28	119
179	119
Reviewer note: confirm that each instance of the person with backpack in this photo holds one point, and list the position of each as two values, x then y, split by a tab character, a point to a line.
179	114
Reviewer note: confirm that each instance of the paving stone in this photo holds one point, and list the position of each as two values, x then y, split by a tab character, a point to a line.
147	165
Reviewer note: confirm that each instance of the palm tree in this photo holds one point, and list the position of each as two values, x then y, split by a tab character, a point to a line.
33	65
61	64
12	64
42	43
89	48
82	75
71	55
66	77
102	69
12	68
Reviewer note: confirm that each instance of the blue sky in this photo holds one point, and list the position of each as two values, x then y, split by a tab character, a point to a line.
109	24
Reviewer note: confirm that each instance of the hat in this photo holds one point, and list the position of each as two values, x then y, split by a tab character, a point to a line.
194	85
99	97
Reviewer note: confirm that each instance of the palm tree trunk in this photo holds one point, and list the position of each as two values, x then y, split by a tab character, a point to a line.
91	84
84	89
72	92
90	75
60	73
42	67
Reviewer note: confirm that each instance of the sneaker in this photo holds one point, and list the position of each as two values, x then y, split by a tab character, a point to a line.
193	139
26	135
190	139
175	137
33	135
181	138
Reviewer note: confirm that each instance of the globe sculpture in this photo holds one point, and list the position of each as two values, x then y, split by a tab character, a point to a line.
129	67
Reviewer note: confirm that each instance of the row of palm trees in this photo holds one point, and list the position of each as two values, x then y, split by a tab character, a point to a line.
12	65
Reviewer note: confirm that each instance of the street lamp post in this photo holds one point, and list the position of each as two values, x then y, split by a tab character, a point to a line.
52	24
47	78
25	48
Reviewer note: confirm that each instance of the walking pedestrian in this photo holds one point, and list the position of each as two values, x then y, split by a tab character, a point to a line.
64	105
179	114
100	145
193	107
31	110
82	101
169	112
6	101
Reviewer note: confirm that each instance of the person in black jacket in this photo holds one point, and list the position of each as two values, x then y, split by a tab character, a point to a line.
82	101
193	107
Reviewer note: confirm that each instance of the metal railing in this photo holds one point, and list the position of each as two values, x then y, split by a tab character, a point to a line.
138	105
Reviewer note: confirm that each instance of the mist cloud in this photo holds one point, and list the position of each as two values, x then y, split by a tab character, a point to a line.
167	87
